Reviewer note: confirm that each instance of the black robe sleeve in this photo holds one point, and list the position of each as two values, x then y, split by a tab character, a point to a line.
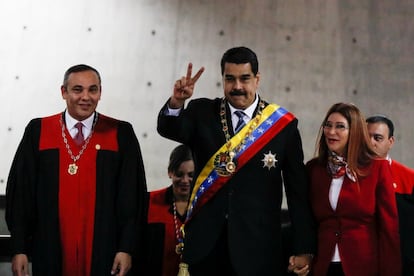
20	211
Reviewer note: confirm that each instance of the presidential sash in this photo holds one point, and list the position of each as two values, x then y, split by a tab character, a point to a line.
248	141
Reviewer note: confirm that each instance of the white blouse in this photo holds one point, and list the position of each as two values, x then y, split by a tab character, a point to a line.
334	191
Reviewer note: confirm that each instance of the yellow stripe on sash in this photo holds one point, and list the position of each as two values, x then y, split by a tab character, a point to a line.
231	144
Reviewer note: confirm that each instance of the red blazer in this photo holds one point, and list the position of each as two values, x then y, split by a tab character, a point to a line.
364	225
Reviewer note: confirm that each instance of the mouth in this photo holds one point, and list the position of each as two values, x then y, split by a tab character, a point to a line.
331	140
184	186
84	106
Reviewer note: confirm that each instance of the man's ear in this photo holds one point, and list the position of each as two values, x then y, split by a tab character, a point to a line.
392	140
63	91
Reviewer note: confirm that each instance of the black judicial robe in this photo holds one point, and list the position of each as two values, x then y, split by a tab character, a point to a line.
112	158
158	255
404	191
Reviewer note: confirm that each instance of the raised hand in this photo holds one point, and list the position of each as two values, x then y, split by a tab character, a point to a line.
184	87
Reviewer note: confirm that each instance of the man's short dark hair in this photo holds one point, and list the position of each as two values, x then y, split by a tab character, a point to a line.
79	68
240	55
379	118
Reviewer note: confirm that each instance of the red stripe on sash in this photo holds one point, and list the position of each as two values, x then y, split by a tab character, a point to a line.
243	159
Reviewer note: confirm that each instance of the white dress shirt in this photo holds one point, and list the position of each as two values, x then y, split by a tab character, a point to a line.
71	122
248	111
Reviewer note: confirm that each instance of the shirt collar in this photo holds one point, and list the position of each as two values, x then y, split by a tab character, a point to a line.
248	111
70	121
388	158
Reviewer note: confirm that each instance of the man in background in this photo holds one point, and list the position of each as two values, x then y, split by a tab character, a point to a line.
381	131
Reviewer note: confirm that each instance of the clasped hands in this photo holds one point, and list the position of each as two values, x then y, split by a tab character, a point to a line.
300	264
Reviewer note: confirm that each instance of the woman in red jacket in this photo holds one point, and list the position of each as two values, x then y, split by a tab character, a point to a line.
352	199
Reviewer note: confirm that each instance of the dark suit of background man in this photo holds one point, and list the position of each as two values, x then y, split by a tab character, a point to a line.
74	204
233	226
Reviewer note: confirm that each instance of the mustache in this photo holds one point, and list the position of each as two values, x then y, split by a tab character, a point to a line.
237	92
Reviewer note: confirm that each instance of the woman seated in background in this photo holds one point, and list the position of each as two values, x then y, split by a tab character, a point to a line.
353	201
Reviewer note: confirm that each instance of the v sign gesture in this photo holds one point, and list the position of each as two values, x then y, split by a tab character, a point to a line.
184	87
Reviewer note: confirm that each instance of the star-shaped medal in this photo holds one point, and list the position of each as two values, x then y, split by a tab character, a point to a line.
269	160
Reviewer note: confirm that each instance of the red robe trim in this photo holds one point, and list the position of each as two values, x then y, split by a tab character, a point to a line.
160	212
403	177
76	192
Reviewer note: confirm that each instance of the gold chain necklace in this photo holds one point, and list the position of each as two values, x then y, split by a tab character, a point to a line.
73	168
180	242
233	150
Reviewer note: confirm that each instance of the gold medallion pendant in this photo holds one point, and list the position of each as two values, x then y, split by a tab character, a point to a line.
183	270
230	167
179	248
72	169
224	164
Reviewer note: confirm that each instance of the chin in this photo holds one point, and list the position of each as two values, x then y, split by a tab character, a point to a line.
239	105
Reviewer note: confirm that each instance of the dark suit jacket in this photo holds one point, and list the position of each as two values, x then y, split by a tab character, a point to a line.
364	224
404	192
249	205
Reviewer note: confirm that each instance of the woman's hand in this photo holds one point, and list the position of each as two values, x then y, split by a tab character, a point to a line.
300	264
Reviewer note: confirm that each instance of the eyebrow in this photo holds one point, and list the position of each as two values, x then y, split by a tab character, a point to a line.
81	86
342	123
241	76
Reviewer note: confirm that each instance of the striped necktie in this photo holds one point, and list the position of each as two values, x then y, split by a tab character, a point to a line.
241	123
79	136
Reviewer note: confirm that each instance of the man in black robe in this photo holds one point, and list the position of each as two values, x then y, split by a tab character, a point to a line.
76	188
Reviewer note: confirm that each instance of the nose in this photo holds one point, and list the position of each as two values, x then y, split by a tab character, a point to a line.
331	130
373	142
85	94
237	84
186	178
